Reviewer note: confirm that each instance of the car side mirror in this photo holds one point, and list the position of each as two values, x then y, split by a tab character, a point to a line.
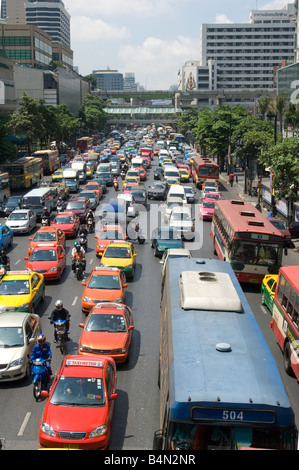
81	325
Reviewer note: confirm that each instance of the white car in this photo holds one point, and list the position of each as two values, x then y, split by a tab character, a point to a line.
173	253
21	220
18	334
181	219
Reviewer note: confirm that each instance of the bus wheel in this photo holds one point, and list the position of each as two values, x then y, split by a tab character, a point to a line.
287	359
214	248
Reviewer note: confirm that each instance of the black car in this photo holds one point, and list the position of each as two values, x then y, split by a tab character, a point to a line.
158	173
294	229
140	196
11	203
157	191
190	194
107	177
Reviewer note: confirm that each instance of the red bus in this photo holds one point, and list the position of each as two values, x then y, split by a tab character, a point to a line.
245	238
203	168
84	143
285	317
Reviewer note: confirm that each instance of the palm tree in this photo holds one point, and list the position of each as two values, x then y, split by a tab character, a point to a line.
264	105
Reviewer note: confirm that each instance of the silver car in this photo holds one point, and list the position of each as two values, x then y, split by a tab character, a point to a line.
18	334
21	220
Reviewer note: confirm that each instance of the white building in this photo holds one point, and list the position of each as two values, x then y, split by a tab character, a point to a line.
248	54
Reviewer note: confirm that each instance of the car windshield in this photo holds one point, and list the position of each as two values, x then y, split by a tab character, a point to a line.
208	205
45	237
117	252
11	337
181	216
63	219
79	391
213	196
14	287
106	322
18	216
158	185
168	234
76	205
13	200
98	281
93	186
89	194
44	255
111	235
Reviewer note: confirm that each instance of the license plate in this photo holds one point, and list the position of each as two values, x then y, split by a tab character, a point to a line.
254	281
71	446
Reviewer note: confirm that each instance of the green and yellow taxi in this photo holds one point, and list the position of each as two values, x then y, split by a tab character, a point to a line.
268	287
21	291
57	176
89	172
121	255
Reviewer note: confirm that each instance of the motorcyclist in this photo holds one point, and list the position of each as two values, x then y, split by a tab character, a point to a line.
78	253
46	215
4	260
60	313
59	204
83	233
90	218
115	183
43	351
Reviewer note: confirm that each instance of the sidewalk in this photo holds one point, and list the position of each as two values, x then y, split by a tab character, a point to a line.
237	192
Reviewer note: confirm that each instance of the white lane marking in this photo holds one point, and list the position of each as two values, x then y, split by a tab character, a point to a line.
90	262
74	301
17	262
24	424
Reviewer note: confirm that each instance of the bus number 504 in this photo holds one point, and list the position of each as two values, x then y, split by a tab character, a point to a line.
232	415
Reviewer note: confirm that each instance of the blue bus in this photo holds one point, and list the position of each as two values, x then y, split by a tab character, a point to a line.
219	384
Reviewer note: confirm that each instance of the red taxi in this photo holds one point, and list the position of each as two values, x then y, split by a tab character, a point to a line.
107	330
206	209
46	235
48	259
105	284
215	196
79	409
68	222
107	234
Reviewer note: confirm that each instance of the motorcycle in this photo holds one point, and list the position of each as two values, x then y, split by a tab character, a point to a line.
41	376
83	242
90	225
3	270
115	184
45	222
140	237
59	207
123	174
61	334
79	269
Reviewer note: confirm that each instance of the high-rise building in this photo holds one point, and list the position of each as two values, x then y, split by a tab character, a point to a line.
110	80
52	17
129	82
247	55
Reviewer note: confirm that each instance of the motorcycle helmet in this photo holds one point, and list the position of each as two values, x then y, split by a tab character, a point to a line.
41	339
76	244
78	248
59	304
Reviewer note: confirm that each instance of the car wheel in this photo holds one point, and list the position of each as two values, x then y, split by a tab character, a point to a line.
287	360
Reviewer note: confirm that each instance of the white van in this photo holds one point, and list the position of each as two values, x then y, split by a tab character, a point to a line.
136	162
36	200
81	167
176	190
171	171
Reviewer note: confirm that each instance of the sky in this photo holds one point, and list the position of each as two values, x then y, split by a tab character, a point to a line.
150	38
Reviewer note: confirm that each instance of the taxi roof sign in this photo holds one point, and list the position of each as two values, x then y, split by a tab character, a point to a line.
84	363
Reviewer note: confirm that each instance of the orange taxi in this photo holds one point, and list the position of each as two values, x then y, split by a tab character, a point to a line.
46	235
107	234
68	222
93	186
105	284
107	330
142	172
79	409
48	259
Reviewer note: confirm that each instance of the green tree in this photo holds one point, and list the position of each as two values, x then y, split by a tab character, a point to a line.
92	114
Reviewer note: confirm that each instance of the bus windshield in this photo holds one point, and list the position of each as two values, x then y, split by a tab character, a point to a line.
208	171
32	201
256	253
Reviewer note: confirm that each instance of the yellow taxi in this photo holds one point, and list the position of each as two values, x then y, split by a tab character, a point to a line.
21	291
184	175
121	255
57	176
89	172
